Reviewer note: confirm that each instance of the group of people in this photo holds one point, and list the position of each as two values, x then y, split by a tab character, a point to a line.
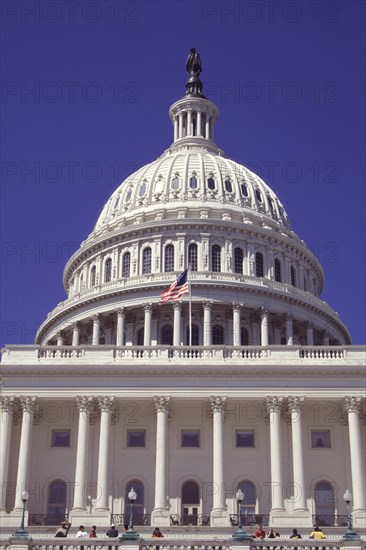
260	533
112	532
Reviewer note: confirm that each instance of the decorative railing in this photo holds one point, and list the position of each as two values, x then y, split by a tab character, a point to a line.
45	519
250	519
124	519
189	519
322	520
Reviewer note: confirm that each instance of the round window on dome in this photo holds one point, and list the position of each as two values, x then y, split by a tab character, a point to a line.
228	186
258	195
244	189
211	183
175	183
193	183
129	195
142	190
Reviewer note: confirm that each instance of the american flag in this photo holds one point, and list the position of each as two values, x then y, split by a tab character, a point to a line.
176	289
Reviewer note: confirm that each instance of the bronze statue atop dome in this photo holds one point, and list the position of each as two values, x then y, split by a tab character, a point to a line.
194	69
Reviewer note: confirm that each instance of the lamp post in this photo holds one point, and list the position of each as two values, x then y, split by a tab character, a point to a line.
21	533
239	533
349	534
131	534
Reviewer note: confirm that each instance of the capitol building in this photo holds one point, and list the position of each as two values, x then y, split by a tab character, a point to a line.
248	381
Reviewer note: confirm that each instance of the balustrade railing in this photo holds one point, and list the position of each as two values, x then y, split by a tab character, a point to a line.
189	519
322	520
124	519
45	519
250	519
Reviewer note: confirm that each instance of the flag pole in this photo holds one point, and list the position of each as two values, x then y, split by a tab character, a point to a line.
190	305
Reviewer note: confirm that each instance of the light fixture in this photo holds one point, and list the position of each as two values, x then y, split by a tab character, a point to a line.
349	534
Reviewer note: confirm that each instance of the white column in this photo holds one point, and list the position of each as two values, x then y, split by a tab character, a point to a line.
264	327
289	330
236	325
96	329
147	324
199	123
207	332
120	326
295	405
75	334
177	306
85	405
274	407
353	408
218	410
60	338
162	410
106	408
189	123
7	409
207	129
309	334
176	128
180	124
28	407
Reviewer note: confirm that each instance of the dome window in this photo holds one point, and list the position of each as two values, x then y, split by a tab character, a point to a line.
126	264
258	195
129	195
244	189
259	267
146	261
277	270
142	190
218	337
93	276
293	276
169	258
228	186
159	185
193	257
175	183
216	258
116	202
238	260
211	183
167	335
108	270
270	202
193	184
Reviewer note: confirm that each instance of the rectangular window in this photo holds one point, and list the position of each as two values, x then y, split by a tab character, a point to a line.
136	438
60	438
244	438
190	438
320	439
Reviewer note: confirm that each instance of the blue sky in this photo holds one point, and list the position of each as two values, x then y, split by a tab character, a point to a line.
86	88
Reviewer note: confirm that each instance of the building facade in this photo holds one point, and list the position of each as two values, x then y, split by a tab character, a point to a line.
250	382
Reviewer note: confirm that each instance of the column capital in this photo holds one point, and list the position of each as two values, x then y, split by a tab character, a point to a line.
352	404
264	311
60	334
217	403
120	310
296	404
7	404
162	403
148	307
207	304
105	403
85	404
96	317
28	404
236	306
274	404
289	317
309	325
177	305
75	325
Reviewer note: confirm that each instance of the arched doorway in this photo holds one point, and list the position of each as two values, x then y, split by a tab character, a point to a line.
138	505
247	507
324	503
56	501
191	503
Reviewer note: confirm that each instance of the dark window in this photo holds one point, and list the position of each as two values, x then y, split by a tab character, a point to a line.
108	271
116	202
190	493
218	335
136	438
169	258
228	186
258	195
192	257
126	265
259	268
270	203
60	438
324	501
211	183
244	438
190	438
238	260
56	500
244	337
142	189
193	184
247	507
277	270
93	272
216	258
128	196
140	337
146	261
138	506
305	283
167	335
244	189
320	439
195	335
293	276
